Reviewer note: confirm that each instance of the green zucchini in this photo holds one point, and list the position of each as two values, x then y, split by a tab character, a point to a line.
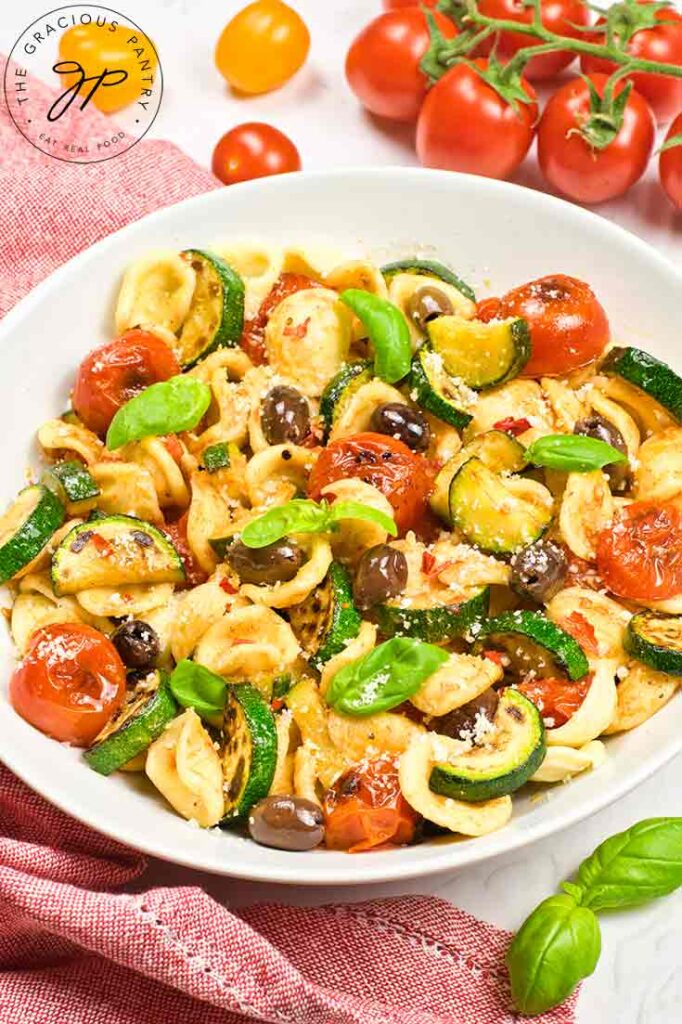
647	373
216	314
26	528
148	708
281	685
532	643
328	618
433	622
340	389
429	268
72	482
497	450
434	390
499	514
656	640
249	751
482	355
216	456
114	551
507	756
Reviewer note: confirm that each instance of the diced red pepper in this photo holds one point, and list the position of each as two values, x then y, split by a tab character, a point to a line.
513	426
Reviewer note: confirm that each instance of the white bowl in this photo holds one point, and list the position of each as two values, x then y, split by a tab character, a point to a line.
495	235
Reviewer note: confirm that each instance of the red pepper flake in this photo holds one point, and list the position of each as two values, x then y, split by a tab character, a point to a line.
581	630
496	656
277	704
513	426
102	545
298	331
313	439
228	586
428	562
172	446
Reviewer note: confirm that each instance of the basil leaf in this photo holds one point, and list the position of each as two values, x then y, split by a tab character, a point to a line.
634	866
356	510
387	330
555	948
385	677
573	453
163	408
301	515
194	686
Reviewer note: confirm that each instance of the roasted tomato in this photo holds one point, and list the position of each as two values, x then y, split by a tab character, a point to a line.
565	17
114	373
69	683
177	531
402	476
639	556
556	699
365	809
254	329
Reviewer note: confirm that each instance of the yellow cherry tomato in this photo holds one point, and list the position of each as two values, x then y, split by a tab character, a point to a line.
262	47
114	50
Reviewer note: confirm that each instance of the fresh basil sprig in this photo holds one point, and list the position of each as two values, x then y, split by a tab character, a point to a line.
385	677
572	453
559	943
388	332
301	515
194	686
163	408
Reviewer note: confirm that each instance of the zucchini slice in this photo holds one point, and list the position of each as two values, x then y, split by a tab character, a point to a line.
482	355
656	640
433	623
215	457
249	754
533	643
216	313
340	388
497	450
649	374
26	528
505	759
496	513
428	268
112	551
72	482
147	709
327	619
435	390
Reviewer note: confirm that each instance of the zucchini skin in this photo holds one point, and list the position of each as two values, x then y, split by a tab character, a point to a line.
71	482
350	376
345	620
655	654
136	734
566	652
260	723
231	323
433	624
31	536
215	457
428	396
429	268
519	338
651	375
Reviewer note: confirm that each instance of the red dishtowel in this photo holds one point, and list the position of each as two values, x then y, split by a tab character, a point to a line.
73	952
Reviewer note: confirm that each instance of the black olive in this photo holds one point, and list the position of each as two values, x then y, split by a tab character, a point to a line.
426	304
276	563
405	424
539	570
599	427
287	823
380	575
464	720
137	644
285	415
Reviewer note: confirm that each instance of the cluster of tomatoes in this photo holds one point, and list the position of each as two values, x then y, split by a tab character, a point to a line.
475	119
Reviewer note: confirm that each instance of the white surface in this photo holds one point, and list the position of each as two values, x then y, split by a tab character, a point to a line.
639	975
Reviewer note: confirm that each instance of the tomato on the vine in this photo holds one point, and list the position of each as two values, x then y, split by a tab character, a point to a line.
639	556
660	40
670	164
466	125
253	150
382	64
559	16
365	808
262	46
576	164
395	5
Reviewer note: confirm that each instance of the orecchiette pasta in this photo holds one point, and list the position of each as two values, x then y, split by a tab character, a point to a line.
562	763
185	767
56	436
658	476
462	678
156	289
311	573
153	455
596	712
586	508
127	488
247	642
354	536
308	338
274	475
640	694
519	399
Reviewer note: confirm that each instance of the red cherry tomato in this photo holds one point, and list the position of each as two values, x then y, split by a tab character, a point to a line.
177	531
396	5
253	150
69	683
382	65
556	699
639	556
404	478
568	325
488	309
465	125
670	165
114	373
365	809
577	169
252	339
661	42
559	16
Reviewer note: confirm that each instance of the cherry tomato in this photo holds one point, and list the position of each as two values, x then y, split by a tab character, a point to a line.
577	169
365	809
402	476
670	165
262	46
662	42
556	699
395	5
382	65
253	335
97	48
488	309
559	16
114	373
568	325
253	150
177	531
639	556
69	683
465	125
